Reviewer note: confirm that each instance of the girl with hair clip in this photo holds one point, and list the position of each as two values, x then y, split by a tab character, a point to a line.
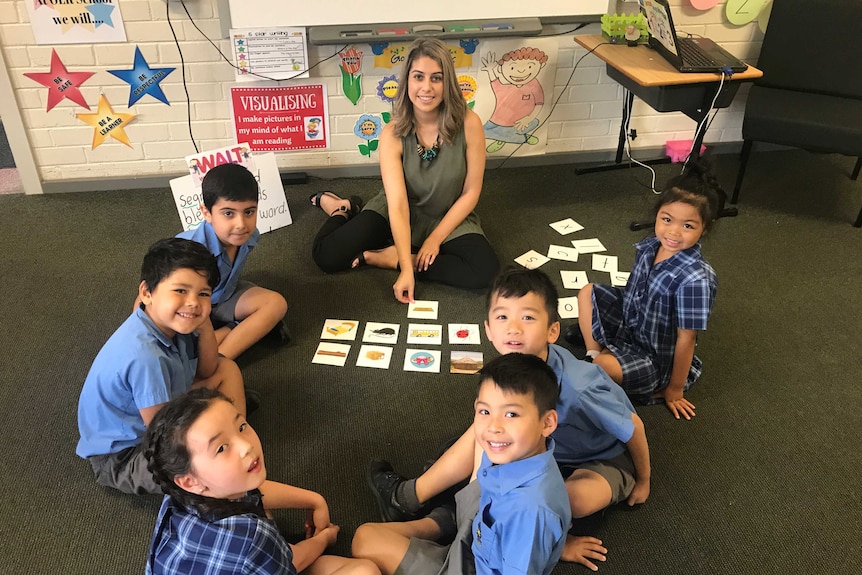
432	162
209	463
644	335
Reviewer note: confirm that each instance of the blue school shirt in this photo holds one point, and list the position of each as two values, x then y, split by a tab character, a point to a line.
595	416
523	517
229	271
185	542
138	367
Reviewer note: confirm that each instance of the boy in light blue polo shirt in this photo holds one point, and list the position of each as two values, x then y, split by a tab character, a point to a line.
163	349
512	519
242	312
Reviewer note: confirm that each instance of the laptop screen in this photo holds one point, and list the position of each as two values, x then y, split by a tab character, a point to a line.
659	23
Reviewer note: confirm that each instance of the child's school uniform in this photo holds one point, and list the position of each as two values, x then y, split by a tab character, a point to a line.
184	541
138	367
529	502
639	324
595	416
229	271
523	517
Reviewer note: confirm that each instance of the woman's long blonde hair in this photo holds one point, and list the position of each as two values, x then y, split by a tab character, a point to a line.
452	109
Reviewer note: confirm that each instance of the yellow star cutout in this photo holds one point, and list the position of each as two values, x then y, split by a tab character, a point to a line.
107	123
74	15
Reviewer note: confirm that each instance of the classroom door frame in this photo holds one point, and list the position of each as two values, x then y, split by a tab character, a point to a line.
16	133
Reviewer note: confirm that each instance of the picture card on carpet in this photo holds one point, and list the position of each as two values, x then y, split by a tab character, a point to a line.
465	362
423	309
464	333
422	360
377	356
331	354
424	334
339	329
376	332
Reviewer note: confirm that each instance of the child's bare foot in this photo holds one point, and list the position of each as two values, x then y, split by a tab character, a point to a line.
580	549
387	258
330	203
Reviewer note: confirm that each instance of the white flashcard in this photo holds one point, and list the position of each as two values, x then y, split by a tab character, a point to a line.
466	362
567	226
423	309
424	334
532	259
602	263
574	280
374	356
331	354
588	246
339	329
422	360
463	333
562	253
381	332
620	279
568	307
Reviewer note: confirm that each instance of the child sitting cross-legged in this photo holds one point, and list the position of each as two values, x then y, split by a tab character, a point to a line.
514	514
214	517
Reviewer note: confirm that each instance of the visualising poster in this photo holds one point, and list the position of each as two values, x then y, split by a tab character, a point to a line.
281	118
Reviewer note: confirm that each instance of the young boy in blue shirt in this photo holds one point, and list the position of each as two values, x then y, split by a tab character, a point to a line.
164	348
242	312
516	483
601	445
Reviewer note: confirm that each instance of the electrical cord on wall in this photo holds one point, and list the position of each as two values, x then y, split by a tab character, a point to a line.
225	58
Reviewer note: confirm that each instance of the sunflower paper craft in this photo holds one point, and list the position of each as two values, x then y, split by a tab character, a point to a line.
368	127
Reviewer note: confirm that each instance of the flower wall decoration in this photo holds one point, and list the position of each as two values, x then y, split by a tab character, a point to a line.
351	79
468	87
368	127
387	88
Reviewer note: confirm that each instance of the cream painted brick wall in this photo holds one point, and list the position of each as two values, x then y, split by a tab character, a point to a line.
586	117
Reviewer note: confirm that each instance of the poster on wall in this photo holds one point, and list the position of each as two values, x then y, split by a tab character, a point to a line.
274	53
515	86
281	118
272	210
76	22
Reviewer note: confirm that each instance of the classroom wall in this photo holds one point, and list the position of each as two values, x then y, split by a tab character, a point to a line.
586	118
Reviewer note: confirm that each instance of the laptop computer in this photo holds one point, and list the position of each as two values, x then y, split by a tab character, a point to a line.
685	54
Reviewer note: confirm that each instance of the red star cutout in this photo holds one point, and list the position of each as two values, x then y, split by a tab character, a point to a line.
61	83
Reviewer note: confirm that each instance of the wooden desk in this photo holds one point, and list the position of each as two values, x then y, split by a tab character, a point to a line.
647	75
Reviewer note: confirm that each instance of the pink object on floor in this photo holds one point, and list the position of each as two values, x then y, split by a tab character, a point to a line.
10	182
677	150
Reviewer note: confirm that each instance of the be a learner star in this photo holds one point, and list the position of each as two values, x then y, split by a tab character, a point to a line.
106	123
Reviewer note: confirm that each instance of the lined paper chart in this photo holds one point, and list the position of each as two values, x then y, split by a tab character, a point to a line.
276	53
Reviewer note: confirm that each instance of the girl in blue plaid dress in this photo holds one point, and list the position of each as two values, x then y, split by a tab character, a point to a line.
644	335
215	516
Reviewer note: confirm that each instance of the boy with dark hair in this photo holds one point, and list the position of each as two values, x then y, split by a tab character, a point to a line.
525	516
164	348
242	312
601	445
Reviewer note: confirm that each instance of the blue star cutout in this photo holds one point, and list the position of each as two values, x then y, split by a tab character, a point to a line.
143	80
101	14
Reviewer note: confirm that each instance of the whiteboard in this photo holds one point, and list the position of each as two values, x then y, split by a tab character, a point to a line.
263	13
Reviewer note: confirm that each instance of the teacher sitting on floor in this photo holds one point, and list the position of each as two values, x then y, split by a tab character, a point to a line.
432	161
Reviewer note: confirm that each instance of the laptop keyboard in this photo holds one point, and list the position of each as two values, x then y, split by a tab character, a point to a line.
693	56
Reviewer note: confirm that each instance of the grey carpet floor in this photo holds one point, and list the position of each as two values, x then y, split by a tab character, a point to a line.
765	480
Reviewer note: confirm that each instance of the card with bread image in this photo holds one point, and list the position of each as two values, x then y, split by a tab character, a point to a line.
423	309
466	362
344	329
377	356
331	354
376	332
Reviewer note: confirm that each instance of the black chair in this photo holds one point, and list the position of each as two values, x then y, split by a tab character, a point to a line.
810	95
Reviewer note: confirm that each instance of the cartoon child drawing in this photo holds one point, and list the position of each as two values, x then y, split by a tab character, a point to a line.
519	96
193	165
312	128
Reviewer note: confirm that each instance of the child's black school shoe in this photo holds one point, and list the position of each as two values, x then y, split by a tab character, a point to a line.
573	336
279	335
384	482
252	401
